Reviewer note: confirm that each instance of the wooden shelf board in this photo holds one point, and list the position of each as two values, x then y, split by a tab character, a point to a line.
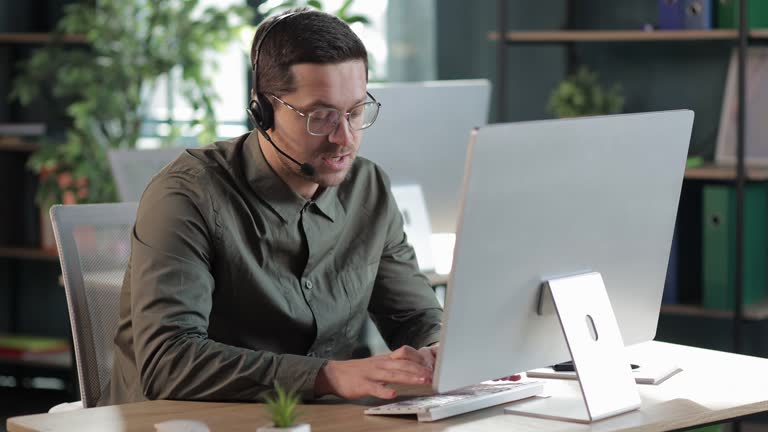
754	312
621	35
17	145
29	253
725	173
40	38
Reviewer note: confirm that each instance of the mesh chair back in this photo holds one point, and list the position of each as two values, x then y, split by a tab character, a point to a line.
133	169
94	242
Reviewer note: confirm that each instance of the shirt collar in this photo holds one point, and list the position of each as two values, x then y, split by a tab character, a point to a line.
277	194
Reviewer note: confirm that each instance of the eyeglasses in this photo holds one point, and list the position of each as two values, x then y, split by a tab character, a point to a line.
324	121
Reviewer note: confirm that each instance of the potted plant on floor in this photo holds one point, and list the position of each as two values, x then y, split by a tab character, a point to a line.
282	409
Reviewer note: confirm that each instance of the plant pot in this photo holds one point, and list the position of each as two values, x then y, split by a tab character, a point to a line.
300	427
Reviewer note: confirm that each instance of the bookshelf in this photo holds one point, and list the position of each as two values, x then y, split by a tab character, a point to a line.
28	273
569	38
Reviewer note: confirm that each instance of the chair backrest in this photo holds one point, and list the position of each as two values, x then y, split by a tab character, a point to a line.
94	242
133	169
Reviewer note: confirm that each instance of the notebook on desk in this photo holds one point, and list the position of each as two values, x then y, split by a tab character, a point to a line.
647	373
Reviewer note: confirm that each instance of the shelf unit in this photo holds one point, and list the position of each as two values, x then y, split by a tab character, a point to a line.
741	37
14	255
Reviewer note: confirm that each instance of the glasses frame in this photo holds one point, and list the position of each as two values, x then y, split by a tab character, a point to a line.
345	115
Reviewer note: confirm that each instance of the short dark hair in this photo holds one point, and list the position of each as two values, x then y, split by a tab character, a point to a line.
310	36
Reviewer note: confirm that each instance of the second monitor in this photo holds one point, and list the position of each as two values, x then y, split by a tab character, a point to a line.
421	137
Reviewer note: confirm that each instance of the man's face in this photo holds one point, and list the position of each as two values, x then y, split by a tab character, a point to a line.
341	86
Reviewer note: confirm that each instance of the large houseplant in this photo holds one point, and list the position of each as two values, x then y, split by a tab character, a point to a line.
103	86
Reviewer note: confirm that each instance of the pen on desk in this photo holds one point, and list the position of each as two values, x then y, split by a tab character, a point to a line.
568	367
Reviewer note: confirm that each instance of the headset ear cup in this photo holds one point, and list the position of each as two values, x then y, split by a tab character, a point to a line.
254	113
266	113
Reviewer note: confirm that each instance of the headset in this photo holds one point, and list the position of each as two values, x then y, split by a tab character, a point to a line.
260	109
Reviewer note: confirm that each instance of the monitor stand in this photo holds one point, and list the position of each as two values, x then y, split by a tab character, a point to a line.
594	341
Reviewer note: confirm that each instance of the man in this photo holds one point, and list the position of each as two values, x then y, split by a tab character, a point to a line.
255	261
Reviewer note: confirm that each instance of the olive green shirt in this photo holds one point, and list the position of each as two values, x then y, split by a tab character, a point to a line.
236	282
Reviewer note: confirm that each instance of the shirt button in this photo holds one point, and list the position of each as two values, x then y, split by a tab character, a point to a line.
308	284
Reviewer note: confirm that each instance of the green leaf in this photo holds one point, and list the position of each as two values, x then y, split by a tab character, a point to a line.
343	8
357	18
315	4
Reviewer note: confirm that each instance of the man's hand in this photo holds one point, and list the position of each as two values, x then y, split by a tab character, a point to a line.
429	354
353	379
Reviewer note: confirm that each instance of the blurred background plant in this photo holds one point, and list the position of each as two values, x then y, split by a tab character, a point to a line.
581	95
104	85
272	7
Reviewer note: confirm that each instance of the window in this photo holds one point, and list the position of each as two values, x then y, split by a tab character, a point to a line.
165	104
230	86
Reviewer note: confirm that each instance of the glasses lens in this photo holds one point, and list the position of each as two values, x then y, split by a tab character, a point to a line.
322	121
363	115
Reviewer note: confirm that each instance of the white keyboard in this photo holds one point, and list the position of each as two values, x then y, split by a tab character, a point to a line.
466	399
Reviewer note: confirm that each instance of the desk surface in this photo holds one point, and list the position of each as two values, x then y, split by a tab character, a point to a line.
713	387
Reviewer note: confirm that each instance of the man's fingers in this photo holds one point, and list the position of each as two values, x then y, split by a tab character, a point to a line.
406	366
395	376
379	391
409	353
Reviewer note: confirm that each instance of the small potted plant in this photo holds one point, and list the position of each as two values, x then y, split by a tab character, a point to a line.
581	95
283	412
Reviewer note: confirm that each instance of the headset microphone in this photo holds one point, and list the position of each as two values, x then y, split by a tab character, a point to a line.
306	168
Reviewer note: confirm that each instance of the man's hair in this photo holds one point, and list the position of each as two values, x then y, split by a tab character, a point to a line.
310	36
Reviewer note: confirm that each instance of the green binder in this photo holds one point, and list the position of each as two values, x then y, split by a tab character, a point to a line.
719	244
728	13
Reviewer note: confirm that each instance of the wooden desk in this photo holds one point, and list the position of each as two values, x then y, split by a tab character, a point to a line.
713	387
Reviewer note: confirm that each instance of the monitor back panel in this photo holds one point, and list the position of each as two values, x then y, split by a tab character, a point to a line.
546	199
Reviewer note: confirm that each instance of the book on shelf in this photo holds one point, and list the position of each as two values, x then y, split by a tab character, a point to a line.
23	347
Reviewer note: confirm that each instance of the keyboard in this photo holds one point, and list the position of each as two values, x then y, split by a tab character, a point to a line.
460	401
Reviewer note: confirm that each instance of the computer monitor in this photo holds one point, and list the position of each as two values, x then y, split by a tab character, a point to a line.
546	199
133	169
420	137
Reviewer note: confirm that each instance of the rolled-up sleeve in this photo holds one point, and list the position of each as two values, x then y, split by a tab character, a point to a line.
171	291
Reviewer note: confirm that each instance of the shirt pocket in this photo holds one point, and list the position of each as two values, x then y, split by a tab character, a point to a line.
358	283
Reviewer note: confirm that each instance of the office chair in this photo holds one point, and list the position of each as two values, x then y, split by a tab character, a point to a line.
133	169
94	243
